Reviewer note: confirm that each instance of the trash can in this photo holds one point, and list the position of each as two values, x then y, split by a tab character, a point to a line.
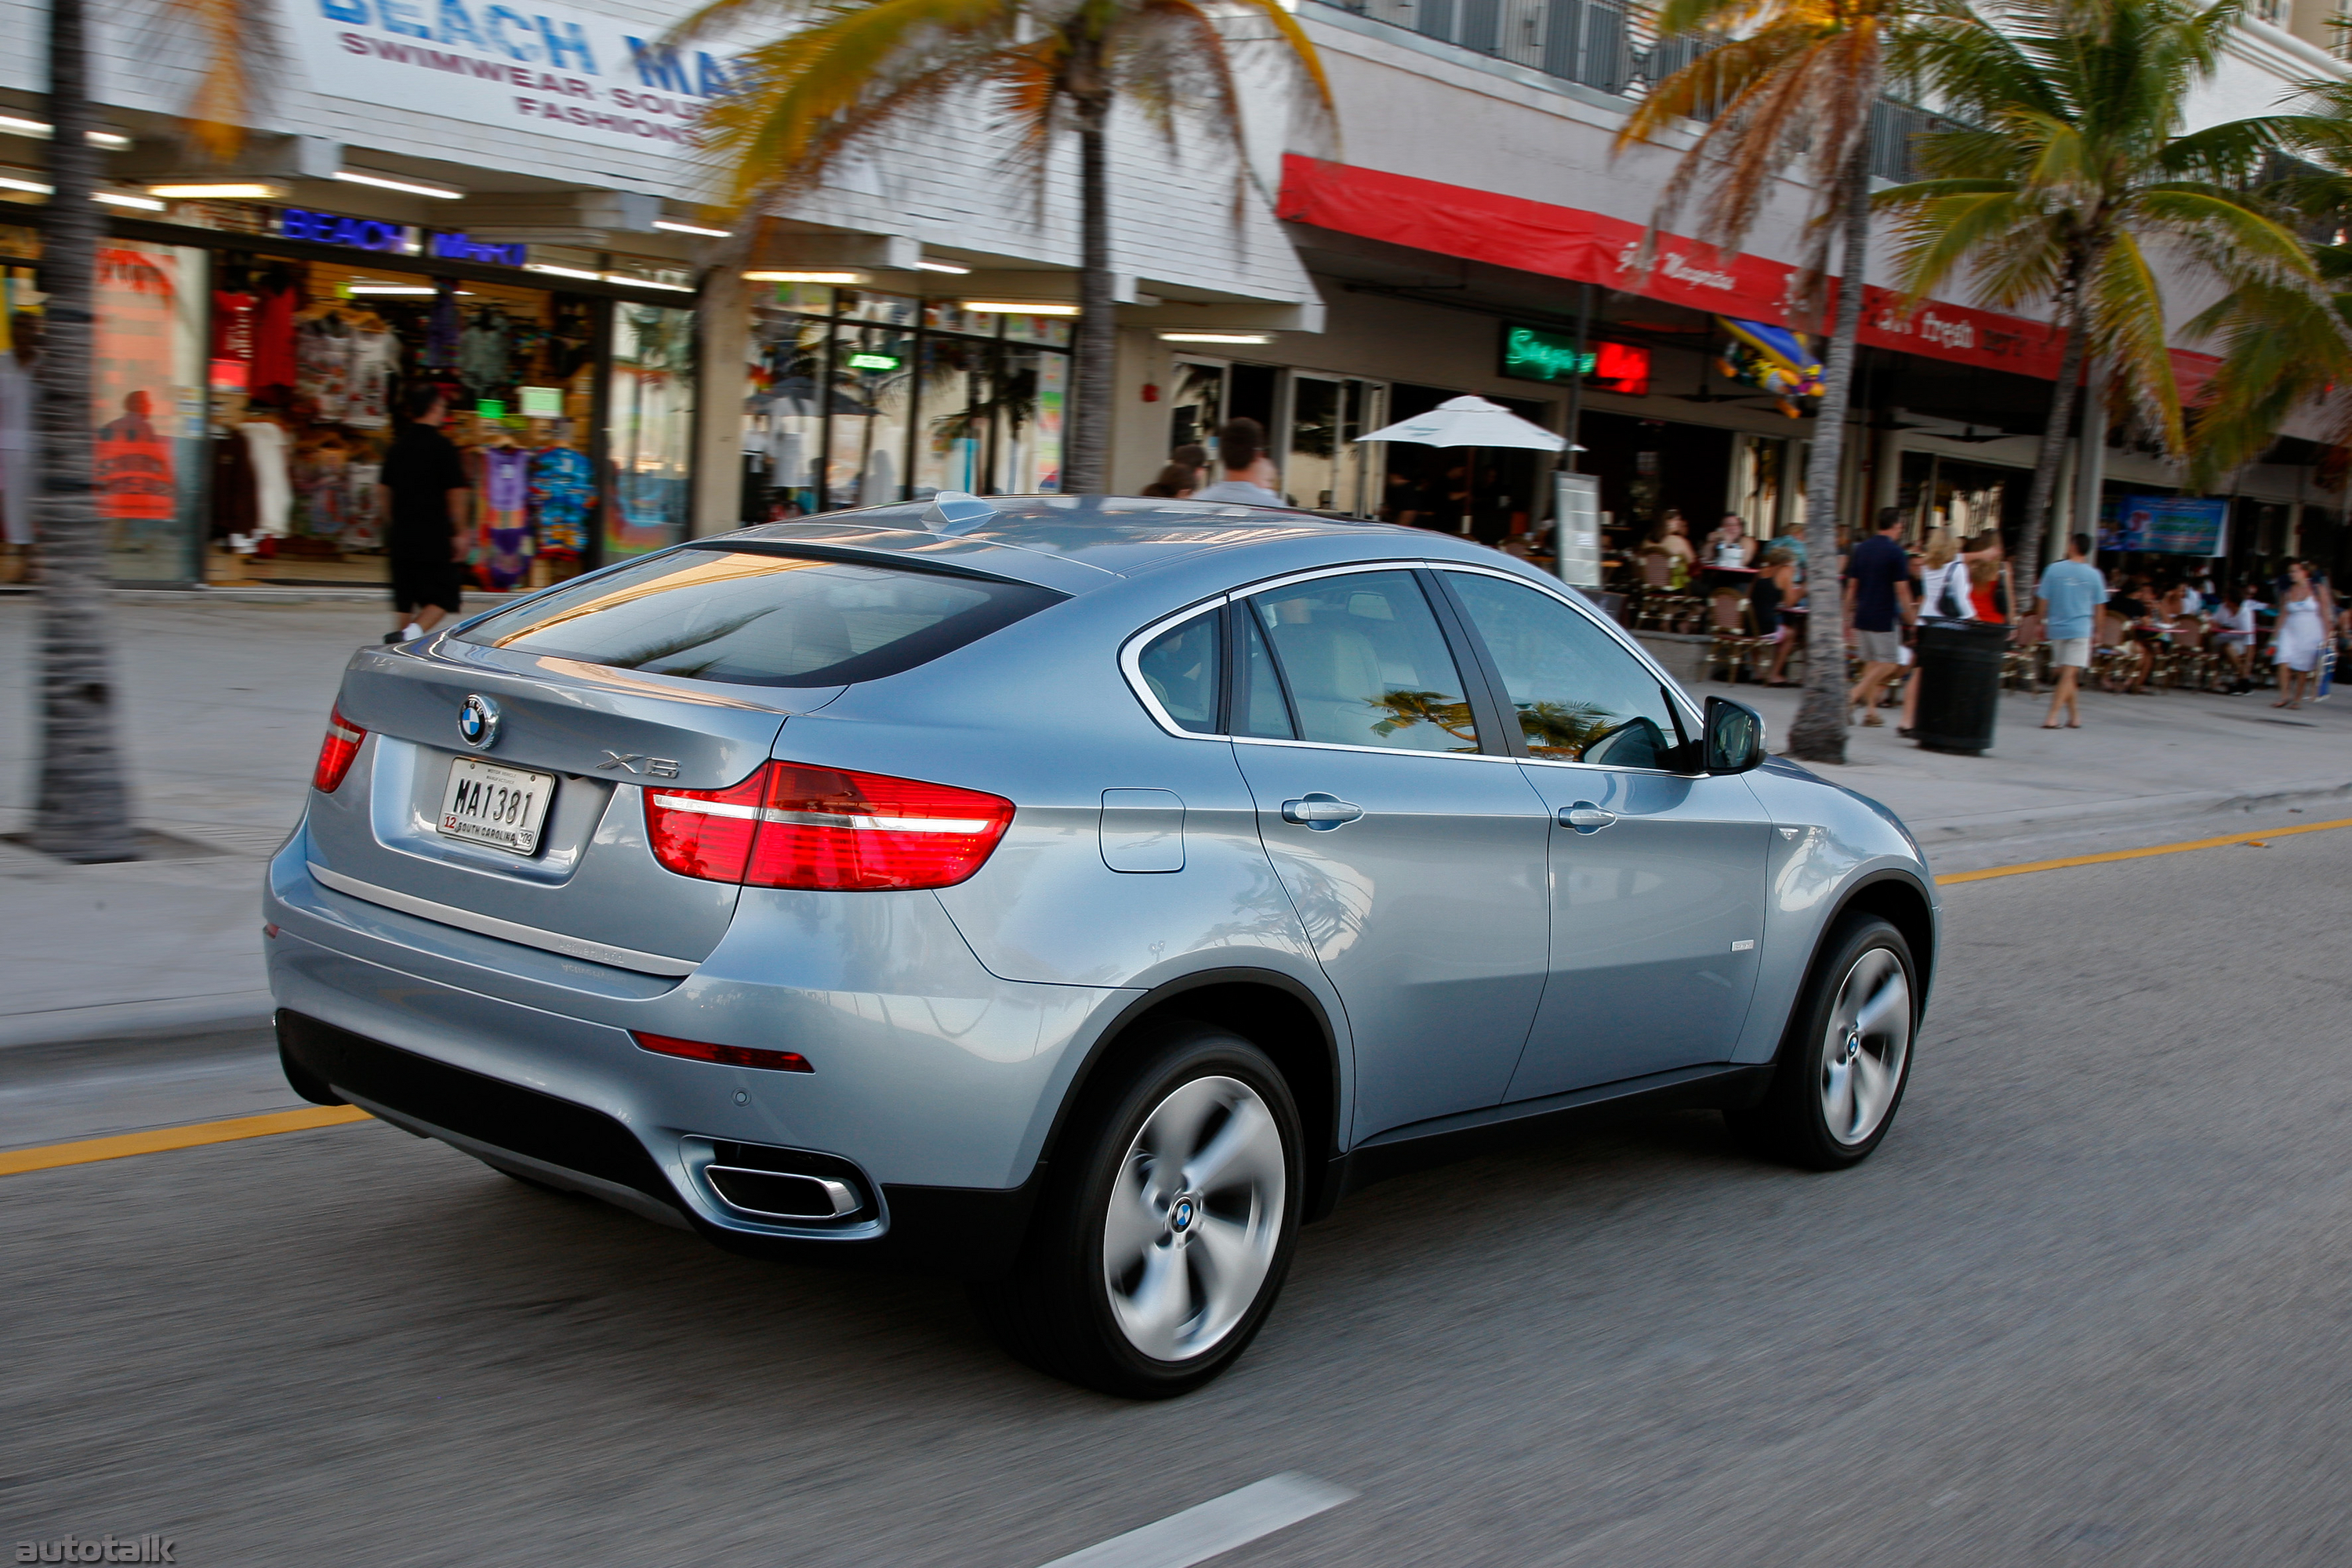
1959	684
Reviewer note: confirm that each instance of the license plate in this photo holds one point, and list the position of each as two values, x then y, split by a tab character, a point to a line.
502	807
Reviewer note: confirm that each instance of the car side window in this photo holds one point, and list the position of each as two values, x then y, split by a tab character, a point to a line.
1365	664
1181	667
1579	695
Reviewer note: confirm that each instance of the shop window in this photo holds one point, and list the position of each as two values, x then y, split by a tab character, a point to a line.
649	434
871	397
147	403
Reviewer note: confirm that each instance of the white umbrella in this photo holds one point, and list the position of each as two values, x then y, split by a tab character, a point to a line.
1470	421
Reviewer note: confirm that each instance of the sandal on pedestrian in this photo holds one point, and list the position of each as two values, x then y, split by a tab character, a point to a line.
1871	721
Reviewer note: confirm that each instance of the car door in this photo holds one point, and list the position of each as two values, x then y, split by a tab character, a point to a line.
1410	844
1657	872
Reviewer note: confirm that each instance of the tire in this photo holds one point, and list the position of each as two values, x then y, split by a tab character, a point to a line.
1846	1058
1159	1300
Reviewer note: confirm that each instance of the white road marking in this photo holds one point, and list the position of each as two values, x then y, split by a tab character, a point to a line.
1218	1525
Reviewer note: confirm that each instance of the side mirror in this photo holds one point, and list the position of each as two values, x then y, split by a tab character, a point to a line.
1734	736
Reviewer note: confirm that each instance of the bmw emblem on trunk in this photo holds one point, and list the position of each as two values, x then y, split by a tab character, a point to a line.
477	721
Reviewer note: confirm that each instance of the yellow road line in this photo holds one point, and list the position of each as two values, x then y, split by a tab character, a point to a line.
2102	860
50	1156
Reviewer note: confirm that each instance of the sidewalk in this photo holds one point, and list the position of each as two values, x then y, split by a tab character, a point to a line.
224	704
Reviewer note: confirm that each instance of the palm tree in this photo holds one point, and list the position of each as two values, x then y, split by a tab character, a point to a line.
848	71
82	810
1789	82
2285	347
2074	179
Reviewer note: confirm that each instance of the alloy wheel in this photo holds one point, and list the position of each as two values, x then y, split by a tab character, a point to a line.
1195	1218
1866	1047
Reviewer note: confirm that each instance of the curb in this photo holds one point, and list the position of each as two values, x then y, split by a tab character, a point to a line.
124	1020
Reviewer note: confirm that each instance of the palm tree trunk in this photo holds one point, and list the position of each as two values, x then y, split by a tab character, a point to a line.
84	801
2055	431
1086	467
1818	733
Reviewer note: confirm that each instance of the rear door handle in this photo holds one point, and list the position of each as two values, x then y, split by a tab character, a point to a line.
1585	817
1320	811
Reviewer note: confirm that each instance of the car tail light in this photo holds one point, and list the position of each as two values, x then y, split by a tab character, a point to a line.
336	752
726	1056
791	825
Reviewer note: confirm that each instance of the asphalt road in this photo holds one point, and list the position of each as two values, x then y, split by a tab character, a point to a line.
2086	1305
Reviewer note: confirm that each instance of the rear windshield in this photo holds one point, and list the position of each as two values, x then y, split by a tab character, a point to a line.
759	618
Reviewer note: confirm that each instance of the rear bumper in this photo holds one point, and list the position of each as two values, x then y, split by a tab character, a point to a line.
965	1231
935	1082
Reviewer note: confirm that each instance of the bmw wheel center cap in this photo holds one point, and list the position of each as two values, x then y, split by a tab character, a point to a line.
477	721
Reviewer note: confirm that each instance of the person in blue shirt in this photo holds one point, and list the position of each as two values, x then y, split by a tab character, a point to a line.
2069	598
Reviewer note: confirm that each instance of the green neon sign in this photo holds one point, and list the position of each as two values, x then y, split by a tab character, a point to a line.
872	361
1530	353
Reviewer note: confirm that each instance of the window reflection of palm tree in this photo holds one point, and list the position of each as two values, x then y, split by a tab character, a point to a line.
1562	731
1406	708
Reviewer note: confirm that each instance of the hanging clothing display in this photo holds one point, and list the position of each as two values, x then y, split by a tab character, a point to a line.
323	367
375	361
562	489
233	327
484	355
506	521
273	486
363	506
441	332
274	367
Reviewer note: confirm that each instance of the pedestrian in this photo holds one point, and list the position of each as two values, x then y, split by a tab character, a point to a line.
1942	596
1729	545
1250	474
1878	606
1772	594
2303	618
1175	482
1672	541
1943	581
2070	592
2233	634
426	500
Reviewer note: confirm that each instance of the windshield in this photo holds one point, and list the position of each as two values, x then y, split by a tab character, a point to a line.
762	619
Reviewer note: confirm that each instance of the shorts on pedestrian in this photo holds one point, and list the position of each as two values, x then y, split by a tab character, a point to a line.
2070	653
421	580
1879	647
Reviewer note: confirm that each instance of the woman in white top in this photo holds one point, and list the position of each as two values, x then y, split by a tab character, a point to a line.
2301	637
1729	545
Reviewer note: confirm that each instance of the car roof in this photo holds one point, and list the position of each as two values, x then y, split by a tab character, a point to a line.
1075	544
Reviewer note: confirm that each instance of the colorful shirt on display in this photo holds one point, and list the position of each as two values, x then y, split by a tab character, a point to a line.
363	507
233	326
324	357
504	485
375	359
563	488
273	342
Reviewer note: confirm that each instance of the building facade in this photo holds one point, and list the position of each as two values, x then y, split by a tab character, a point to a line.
504	200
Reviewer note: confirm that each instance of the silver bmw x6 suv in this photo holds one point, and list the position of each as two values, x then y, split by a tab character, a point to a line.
1076	894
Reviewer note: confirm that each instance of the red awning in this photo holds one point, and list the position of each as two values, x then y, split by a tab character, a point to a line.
1593	248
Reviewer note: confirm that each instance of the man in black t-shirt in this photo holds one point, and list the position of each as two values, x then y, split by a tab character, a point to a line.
427	505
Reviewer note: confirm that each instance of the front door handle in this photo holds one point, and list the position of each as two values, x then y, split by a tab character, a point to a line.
1320	811
1585	816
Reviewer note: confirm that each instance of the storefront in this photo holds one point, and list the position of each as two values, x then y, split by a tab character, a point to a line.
250	361
858	398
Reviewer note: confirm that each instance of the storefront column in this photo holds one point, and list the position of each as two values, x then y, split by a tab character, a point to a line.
2089	453
725	319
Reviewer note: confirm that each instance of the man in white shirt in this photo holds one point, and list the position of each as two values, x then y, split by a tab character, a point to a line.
1250	475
